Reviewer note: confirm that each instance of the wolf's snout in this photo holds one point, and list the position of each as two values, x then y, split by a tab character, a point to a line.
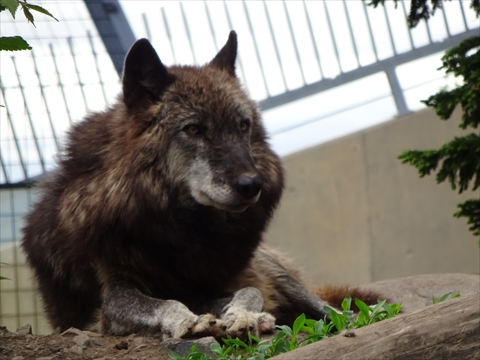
248	186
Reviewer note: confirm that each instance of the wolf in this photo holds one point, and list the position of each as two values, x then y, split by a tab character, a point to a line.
152	222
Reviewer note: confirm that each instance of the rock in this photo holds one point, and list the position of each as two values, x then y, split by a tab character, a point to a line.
94	342
182	346
45	358
92	334
137	341
415	292
75	349
18	358
81	339
24	330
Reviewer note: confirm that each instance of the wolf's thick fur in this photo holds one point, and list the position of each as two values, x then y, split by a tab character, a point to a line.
153	221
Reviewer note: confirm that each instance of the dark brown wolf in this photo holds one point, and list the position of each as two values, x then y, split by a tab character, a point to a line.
152	223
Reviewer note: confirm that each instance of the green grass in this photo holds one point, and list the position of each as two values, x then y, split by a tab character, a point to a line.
445	297
303	332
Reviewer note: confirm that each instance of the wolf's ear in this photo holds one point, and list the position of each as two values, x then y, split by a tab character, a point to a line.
144	75
226	57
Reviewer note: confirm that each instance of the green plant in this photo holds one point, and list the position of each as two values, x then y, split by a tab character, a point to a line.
445	297
303	332
17	43
421	10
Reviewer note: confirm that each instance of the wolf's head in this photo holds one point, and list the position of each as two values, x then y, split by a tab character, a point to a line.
196	130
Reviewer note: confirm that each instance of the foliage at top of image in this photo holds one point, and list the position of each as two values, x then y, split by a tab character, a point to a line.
421	10
303	332
17	43
458	160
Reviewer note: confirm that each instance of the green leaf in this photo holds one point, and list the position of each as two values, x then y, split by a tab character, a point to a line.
319	327
28	15
365	310
173	355
297	325
40	10
286	329
346	302
216	348
10	5
13	43
445	297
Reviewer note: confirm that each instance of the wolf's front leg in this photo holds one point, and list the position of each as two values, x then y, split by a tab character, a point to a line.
126	310
244	314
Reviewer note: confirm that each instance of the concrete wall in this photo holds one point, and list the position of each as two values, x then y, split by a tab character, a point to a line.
352	213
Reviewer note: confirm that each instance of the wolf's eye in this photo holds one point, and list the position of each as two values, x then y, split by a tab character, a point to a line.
244	124
192	129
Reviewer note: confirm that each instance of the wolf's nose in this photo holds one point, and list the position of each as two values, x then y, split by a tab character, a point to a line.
248	186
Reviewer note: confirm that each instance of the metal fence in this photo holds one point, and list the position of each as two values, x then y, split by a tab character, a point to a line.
68	73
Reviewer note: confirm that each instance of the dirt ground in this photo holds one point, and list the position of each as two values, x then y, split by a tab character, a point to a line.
76	344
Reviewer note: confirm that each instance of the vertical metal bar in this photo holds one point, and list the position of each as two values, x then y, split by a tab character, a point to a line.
397	91
34	133
275	46
408	29
229	20
187	30
257	53
312	38
389	28
44	98
428	32
169	35
72	53
355	50
147	27
210	24
97	67
297	54
59	83
330	28
445	21
370	32
465	23
4	170
15	257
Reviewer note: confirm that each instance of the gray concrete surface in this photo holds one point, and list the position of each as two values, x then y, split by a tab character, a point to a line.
352	213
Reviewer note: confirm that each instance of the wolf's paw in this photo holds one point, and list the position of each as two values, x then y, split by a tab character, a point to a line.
203	325
179	322
238	322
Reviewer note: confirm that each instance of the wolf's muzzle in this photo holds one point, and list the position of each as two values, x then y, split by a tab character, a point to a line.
248	186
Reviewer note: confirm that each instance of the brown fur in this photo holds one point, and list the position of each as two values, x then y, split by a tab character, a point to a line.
334	295
156	211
